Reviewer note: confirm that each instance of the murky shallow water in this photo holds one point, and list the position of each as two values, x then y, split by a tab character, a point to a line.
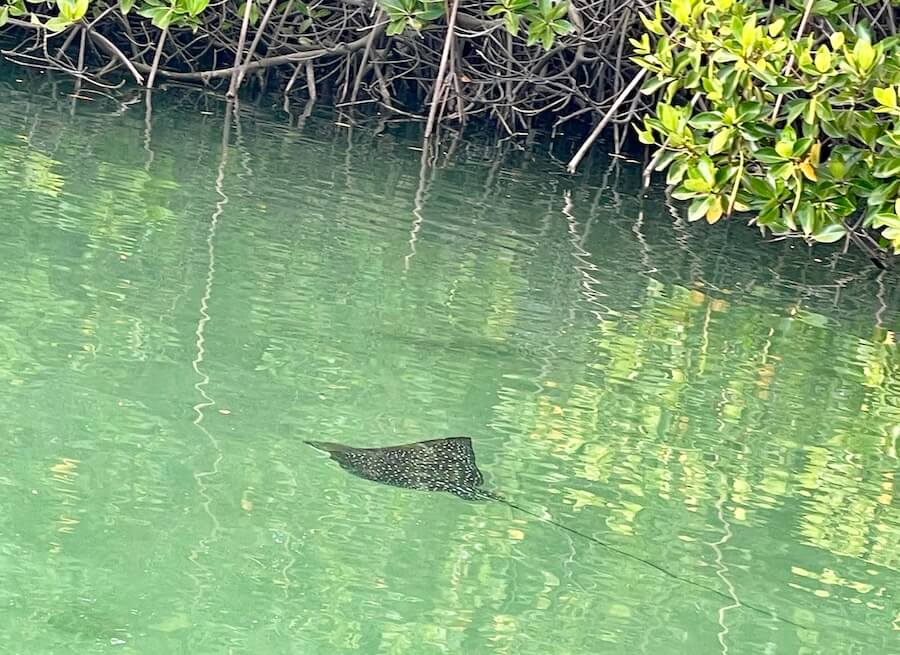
178	315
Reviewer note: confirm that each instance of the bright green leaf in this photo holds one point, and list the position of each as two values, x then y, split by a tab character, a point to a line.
886	96
681	11
823	59
57	24
719	141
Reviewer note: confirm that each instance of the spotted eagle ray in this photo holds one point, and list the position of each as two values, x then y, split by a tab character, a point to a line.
449	465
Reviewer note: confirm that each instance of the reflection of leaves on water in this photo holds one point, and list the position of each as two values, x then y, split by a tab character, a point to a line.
63	476
24	168
638	403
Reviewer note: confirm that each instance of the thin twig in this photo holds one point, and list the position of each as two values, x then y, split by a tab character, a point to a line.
238	71
582	151
155	66
255	43
442	69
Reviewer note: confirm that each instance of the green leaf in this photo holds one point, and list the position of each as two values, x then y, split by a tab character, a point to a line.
125	6
4	15
559	10
719	141
887	168
757	132
759	186
748	34
676	172
823	59
653	84
161	17
881	193
769	214
683	193
807	216
800	147
668	116
395	27
196	7
776	27
795	108
57	24
785	150
748	111
809	116
886	97
681	11
768	156
646	137
697	185
394	7
723	56
824	7
707	170
710	120
511	22
547	39
654	26
699	207
496	9
864	54
641	47
692	80
66	9
561	27
783	171
830	233
886	220
435	11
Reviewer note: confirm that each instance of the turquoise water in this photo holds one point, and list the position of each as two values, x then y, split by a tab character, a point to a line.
185	299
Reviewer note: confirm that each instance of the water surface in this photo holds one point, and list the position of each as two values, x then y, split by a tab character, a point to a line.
185	298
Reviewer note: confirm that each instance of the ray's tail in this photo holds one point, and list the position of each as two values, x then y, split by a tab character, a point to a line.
488	495
326	446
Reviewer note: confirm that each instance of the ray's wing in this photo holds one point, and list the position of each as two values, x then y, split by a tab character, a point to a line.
457	458
434	465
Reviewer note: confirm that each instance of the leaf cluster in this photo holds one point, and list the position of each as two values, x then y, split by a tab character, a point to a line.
801	132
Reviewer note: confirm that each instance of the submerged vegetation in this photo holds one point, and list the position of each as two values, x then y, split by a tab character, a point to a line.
784	111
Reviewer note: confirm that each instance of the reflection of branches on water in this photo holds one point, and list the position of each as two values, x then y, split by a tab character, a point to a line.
419	202
880	296
584	265
721	568
148	128
683	238
203	382
637	229
247	175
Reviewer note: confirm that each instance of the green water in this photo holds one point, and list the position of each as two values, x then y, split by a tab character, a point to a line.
184	300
